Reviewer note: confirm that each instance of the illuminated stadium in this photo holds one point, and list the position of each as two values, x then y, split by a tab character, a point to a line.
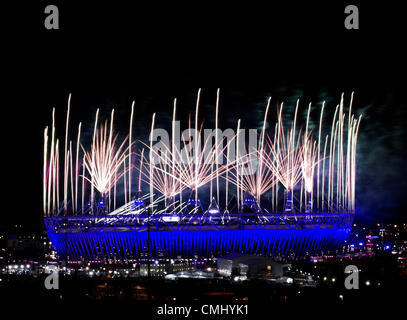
290	193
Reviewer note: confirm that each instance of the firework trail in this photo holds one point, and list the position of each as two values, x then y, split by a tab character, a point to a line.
284	157
308	164
103	161
253	176
173	169
325	168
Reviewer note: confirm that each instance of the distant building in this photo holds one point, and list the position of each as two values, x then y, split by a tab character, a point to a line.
191	274
12	241
236	264
160	269
21	242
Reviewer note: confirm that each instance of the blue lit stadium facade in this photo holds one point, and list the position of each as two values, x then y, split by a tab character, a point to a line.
137	236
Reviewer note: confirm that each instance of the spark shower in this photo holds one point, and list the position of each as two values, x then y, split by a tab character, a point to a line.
304	174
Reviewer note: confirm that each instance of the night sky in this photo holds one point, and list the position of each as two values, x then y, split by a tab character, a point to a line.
107	57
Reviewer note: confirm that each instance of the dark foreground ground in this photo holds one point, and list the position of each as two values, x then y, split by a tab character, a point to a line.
140	298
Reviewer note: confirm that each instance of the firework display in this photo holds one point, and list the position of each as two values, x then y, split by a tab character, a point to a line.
290	192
